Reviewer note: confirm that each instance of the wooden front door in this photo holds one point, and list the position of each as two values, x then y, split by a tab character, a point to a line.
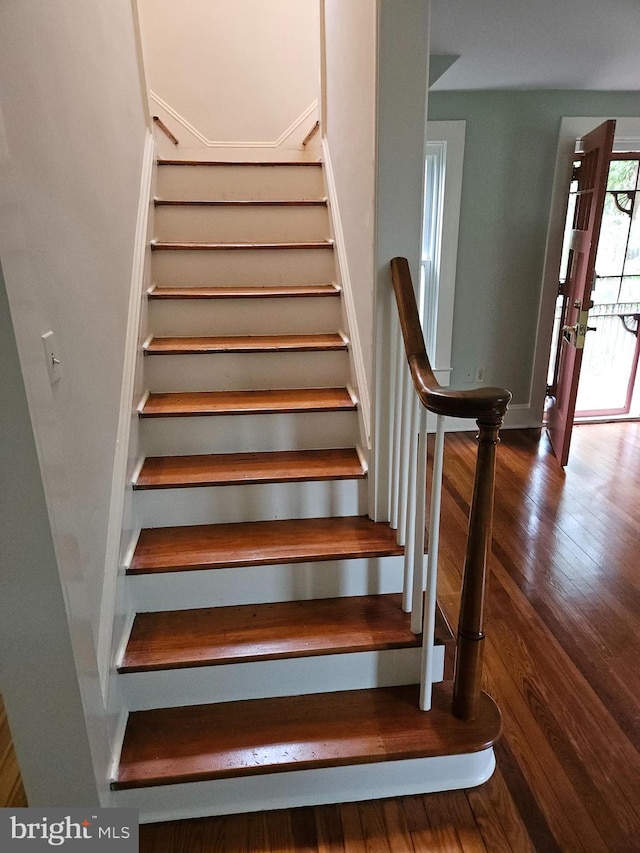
576	289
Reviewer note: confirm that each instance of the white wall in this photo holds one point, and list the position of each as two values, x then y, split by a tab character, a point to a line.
403	70
349	129
71	143
227	74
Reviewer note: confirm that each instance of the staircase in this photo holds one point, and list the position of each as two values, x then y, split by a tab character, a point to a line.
269	663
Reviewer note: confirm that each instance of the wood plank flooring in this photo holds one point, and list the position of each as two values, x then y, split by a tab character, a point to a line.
232	739
224	469
562	660
218	635
179	246
215	546
192	403
245	343
277	291
12	793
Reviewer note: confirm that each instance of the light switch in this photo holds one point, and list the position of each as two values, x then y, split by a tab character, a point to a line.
52	356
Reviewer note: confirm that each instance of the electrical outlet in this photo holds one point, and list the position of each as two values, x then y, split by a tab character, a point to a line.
481	374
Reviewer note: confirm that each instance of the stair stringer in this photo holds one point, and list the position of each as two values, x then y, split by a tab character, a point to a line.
116	606
356	357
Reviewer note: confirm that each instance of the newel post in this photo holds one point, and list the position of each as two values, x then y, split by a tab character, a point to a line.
468	671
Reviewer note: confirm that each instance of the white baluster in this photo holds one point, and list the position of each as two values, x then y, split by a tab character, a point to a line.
419	519
403	481
410	562
395	417
432	568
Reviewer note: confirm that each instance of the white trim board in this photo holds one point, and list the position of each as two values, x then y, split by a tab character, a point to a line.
452	135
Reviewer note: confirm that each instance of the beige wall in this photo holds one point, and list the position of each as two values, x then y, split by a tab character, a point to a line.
230	73
72	136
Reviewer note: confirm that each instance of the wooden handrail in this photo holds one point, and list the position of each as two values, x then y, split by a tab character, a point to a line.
487	406
163	127
312	132
475	403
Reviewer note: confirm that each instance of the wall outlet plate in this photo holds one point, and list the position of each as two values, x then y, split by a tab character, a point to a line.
52	357
481	374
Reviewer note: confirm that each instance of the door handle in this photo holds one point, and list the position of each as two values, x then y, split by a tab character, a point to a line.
579	329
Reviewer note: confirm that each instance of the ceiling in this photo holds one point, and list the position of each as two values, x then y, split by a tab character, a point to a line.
546	44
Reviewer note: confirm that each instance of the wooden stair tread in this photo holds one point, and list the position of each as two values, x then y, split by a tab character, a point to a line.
223	469
259	543
161	245
267	163
202	742
245	343
244	292
241	202
192	403
186	638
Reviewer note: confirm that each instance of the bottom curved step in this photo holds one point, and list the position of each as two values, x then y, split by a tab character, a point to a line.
168	746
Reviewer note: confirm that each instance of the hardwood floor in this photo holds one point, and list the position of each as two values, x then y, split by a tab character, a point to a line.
562	660
11	791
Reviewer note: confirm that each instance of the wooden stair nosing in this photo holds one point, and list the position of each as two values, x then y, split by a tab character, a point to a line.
244	292
159	246
238	202
212	636
264	163
250	737
226	469
260	543
193	345
215	403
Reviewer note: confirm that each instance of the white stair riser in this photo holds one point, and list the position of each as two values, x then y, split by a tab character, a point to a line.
254	584
246	371
269	316
241	223
257	502
231	267
237	433
293	789
220	183
287	677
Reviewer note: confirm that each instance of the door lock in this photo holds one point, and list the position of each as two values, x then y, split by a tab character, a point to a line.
579	330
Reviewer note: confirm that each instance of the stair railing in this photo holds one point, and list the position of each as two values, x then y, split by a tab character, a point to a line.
163	127
415	392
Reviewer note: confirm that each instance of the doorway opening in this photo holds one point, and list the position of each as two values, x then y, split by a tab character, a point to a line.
609	387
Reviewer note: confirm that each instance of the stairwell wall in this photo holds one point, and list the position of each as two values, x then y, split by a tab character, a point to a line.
232	76
71	152
375	65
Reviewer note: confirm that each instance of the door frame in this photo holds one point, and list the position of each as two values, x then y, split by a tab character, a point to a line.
571	128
